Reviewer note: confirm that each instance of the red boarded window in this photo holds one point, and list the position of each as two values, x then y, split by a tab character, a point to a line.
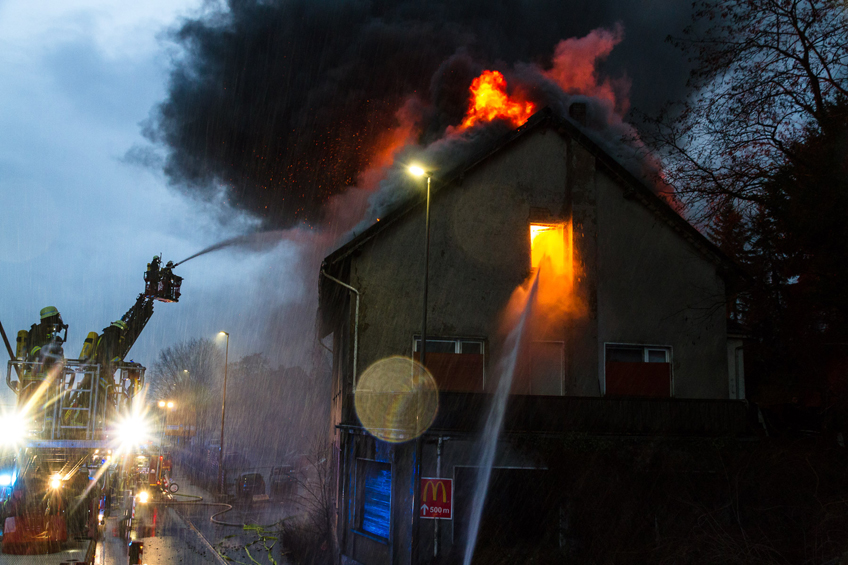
635	370
457	365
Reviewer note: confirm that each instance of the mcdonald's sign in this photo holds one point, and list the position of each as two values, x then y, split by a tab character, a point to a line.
436	498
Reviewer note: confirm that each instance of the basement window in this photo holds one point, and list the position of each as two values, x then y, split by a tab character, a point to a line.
638	370
457	364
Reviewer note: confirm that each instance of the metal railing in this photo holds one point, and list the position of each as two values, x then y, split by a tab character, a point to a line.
67	400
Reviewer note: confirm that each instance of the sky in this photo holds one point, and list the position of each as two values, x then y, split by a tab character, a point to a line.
79	221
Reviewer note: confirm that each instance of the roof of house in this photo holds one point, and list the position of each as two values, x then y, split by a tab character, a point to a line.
632	187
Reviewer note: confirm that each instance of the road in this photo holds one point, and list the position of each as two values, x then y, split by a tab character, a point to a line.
172	542
183	533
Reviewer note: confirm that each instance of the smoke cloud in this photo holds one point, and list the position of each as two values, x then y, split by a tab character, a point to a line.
285	105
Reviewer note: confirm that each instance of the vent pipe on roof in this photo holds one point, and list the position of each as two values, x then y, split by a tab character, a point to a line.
577	112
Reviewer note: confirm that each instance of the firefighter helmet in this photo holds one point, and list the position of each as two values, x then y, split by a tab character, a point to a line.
49	311
120	324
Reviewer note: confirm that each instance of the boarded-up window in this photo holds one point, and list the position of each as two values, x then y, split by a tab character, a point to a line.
375	510
457	365
636	370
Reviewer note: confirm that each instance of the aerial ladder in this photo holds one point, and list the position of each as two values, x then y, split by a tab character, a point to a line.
66	410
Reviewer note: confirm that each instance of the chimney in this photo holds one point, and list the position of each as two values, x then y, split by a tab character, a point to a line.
577	112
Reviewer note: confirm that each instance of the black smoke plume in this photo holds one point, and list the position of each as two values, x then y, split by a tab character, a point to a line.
281	103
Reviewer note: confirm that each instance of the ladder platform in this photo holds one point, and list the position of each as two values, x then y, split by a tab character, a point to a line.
70	443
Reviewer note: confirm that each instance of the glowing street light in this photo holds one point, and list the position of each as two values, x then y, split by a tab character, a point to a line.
56	482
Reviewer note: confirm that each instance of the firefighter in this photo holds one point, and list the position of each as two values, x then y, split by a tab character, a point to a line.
110	340
46	335
151	276
165	280
46	355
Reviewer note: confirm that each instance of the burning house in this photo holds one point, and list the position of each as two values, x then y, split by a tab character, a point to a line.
620	306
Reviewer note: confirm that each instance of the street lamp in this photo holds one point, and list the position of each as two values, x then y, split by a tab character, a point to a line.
419	172
416	493
223	411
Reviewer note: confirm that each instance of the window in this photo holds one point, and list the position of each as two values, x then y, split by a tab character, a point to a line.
376	498
457	364
547	240
637	370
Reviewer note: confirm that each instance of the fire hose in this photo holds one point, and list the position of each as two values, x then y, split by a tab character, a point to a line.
228	507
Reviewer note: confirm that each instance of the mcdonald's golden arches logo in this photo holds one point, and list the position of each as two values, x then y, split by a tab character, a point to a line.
436	498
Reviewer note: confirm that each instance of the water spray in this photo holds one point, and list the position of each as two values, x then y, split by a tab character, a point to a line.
494	421
259	240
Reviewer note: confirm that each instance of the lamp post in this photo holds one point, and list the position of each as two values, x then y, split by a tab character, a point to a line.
419	172
223	411
416	492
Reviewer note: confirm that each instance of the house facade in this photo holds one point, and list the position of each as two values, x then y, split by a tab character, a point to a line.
643	349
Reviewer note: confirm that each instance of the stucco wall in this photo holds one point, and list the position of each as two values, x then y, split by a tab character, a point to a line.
654	288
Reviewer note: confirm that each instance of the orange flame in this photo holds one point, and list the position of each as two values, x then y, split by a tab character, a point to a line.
552	253
489	101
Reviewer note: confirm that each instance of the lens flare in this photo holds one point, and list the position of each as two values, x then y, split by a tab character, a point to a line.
396	399
13	429
132	431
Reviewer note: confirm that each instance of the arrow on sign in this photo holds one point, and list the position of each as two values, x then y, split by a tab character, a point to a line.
424	508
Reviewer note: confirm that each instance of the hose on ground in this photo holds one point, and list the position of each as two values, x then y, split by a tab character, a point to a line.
199	501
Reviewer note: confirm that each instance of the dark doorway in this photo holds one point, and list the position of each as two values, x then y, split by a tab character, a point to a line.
520	514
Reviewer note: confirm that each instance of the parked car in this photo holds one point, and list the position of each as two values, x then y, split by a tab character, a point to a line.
250	485
283	482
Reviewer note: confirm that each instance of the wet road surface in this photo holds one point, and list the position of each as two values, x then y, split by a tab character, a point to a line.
185	535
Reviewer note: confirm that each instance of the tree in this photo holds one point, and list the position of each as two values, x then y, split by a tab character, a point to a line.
188	374
758	154
274	411
766	73
800	241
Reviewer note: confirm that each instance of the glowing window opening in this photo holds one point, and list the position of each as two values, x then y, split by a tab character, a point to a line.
537	251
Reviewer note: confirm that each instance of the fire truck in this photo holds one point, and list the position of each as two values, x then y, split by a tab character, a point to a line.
73	420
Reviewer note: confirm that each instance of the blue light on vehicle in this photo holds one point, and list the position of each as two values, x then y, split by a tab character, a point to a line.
6	479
